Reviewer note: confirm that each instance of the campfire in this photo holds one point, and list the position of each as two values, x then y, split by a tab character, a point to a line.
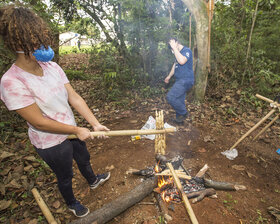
186	187
170	182
192	186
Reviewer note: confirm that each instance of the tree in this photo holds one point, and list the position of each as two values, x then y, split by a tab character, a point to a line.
198	9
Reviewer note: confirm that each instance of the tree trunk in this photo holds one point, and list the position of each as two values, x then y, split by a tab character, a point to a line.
198	9
250	38
116	207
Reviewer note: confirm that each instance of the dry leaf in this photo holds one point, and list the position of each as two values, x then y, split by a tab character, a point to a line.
56	204
202	150
13	184
239	167
5	204
5	155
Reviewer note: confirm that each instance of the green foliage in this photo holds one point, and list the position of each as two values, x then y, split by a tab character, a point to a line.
77	75
229	202
260	219
230	35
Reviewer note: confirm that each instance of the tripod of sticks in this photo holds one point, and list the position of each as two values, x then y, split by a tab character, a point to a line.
275	107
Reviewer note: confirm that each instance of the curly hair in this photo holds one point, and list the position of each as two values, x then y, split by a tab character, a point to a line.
22	29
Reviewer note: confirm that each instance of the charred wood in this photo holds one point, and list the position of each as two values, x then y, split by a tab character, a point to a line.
162	207
199	195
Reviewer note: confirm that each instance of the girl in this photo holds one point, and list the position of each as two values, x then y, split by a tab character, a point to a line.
39	91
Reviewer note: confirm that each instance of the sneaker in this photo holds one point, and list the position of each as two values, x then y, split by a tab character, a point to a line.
101	178
78	209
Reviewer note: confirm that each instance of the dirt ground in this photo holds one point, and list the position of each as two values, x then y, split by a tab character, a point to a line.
200	143
213	130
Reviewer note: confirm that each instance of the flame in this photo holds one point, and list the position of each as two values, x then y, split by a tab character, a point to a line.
157	168
163	182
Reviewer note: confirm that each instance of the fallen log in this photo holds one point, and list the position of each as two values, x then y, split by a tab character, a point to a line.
223	185
116	207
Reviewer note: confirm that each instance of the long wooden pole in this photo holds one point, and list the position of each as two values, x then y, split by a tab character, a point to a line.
184	196
190	31
253	128
128	132
44	208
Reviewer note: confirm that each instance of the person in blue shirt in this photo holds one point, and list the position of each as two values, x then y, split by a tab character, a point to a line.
182	69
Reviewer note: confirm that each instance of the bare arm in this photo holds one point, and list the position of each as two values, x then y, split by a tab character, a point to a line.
181	59
80	105
33	115
171	73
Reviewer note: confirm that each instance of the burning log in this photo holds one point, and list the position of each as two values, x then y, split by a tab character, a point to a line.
223	185
184	196
163	208
114	208
199	195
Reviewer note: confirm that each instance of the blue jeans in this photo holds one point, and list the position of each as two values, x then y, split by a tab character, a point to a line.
177	94
60	160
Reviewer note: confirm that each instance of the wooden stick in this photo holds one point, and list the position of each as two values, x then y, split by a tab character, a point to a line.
180	175
184	196
202	171
253	128
44	208
127	132
266	127
268	100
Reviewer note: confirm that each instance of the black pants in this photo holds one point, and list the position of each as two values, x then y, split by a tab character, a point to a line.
60	160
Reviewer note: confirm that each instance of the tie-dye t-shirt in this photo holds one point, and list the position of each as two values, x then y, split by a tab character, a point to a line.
20	89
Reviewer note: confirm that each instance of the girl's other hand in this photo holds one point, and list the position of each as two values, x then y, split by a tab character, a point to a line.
83	133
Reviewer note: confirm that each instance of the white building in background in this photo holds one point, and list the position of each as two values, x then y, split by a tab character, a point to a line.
71	39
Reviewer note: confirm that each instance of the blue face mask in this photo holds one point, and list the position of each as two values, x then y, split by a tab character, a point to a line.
42	54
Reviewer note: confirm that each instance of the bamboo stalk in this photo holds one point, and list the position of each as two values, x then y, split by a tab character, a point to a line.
266	127
253	128
184	196
264	98
127	132
44	208
268	100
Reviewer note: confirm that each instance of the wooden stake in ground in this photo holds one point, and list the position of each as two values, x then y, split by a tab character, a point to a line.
160	144
44	208
183	194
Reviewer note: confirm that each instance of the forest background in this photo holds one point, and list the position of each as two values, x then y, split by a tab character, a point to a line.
132	35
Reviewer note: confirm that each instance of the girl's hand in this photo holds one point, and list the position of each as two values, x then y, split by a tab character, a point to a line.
83	133
101	127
